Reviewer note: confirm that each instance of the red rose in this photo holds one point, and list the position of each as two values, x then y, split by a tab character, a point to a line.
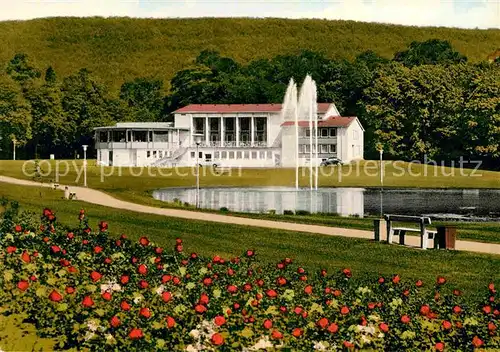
297	332
344	310
11	249
247	287
457	292
97	249
125	306
217	339
324	272
219	320
143	284
440	280
298	310
70	235
491	326
135	334
491	287
405	319
33	278
406	293
425	309
268	324
308	290
106	296
115	322
18	228
396	279
283	309
64	262
371	305
95	276
300	270
55	249
322	323
107	261
276	335
384	327
477	342
281	281
250	253
142	269
145	313
232	289
457	310
170	322
87	301
280	266
439	346
381	280
166	296
458	325
23	285
333	328
487	309
85	241
200	309
179	248
55	296
304	314
166	278
348	344
144	241
303	278
72	269
204	299
271	293
176	280
347	272
25	257
236	306
446	325
70	290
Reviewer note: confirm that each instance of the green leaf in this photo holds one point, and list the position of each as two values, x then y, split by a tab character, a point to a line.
246	332
216	293
190	285
272	310
62	307
182	270
160	343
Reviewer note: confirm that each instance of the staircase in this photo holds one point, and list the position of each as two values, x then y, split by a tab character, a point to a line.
170	160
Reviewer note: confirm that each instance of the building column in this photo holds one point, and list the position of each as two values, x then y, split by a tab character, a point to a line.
252	131
191	131
207	130
222	139
237	131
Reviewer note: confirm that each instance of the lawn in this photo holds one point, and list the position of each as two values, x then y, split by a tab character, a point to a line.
123	183
465	271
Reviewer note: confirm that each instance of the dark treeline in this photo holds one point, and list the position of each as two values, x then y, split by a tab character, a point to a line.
427	101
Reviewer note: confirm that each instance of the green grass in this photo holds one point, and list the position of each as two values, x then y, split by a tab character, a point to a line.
464	270
120	49
138	189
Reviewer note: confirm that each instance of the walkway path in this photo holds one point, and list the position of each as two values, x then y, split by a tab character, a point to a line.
97	197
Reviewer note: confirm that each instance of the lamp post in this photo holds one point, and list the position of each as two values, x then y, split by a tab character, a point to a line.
85	165
14	149
198	142
381	151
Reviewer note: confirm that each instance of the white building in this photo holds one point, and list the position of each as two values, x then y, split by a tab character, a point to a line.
235	135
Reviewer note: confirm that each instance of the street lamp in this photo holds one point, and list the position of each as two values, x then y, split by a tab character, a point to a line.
85	165
14	150
197	140
381	151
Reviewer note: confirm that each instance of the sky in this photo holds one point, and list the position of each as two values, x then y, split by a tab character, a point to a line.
448	13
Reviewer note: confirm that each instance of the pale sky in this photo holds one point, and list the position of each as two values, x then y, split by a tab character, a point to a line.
451	13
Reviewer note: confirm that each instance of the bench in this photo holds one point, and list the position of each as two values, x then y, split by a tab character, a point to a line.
423	222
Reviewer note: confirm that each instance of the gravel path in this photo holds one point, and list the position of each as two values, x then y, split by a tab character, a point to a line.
97	197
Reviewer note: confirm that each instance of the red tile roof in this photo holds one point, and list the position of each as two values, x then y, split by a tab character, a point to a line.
335	121
235	108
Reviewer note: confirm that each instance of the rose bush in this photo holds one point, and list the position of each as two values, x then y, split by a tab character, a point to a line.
99	293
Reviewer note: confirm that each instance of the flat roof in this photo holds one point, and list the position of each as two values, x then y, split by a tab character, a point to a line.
142	126
239	108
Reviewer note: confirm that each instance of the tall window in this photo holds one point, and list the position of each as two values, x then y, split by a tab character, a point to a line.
103	136
333	148
333	132
260	129
161	136
244	130
324	132
118	136
199	125
214	129
229	129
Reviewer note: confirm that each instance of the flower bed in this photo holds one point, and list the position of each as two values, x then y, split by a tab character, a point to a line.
92	291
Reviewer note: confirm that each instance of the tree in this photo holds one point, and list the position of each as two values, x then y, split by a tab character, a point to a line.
430	52
15	117
50	76
20	69
145	97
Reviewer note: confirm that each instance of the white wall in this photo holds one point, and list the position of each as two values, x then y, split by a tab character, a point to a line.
288	146
355	142
274	129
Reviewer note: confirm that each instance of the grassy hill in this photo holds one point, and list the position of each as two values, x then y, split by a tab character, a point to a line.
118	49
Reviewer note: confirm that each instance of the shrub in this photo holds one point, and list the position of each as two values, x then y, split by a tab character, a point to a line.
302	212
288	212
91	291
272	212
224	210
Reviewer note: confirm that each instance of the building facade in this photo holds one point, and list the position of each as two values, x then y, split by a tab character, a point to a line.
234	135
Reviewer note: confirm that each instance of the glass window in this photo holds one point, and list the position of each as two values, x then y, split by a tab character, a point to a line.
193	155
238	155
355	133
161	136
333	132
333	148
308	132
231	155
224	155
118	136
254	155
246	155
160	153
200	155
262	154
324	148
324	132
216	155
154	153
269	154
308	148
148	154
103	136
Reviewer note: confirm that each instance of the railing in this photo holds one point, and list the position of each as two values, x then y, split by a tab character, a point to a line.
232	144
175	155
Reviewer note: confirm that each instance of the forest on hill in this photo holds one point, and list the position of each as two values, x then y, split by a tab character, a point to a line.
120	49
427	101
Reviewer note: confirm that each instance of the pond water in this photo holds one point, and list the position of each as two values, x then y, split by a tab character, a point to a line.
458	204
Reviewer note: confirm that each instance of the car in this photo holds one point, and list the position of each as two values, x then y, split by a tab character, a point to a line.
331	161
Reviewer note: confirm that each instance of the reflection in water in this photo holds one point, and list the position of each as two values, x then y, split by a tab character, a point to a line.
456	203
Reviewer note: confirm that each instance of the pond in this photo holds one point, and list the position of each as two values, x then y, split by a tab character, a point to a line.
458	204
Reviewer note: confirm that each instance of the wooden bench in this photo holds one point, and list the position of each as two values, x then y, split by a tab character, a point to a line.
423	221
